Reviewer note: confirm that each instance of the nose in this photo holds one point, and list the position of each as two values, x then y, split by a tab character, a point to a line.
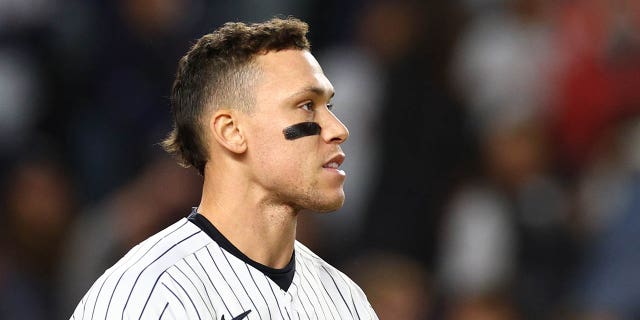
333	130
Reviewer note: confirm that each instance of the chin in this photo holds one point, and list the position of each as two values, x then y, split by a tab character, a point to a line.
318	200
327	209
329	205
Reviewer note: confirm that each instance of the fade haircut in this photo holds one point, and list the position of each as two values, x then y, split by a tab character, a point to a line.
218	72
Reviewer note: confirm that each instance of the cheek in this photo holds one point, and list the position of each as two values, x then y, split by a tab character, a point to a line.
287	164
290	159
278	158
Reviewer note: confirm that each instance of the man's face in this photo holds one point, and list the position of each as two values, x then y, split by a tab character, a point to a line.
300	172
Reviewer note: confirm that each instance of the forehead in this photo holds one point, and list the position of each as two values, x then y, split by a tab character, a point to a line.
288	71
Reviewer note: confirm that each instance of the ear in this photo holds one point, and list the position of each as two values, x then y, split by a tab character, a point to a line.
226	131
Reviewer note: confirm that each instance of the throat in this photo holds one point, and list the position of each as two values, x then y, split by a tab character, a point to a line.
280	271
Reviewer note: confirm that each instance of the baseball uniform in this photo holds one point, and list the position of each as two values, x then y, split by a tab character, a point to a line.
191	271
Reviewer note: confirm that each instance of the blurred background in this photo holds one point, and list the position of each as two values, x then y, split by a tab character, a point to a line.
493	163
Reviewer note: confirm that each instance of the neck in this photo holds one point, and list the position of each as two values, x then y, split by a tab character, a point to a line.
264	231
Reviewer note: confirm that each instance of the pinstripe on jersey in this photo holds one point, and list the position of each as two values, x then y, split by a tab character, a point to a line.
181	273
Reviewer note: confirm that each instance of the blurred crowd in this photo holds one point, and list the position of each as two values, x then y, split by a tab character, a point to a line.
493	163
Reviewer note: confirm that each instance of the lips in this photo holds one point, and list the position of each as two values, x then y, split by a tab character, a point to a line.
332	165
335	161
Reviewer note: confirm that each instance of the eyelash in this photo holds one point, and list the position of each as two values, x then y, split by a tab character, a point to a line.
309	106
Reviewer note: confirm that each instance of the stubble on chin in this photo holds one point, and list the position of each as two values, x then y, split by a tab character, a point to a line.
322	203
312	199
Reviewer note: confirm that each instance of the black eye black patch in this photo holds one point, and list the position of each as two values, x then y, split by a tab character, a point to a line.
300	130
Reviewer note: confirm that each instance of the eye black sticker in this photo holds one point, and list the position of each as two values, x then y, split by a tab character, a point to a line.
300	130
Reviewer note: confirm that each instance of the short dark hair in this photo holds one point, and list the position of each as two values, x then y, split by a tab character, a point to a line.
218	72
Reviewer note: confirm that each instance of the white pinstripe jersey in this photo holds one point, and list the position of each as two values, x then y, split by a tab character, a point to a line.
182	273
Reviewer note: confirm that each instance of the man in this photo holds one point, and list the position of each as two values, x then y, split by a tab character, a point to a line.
252	114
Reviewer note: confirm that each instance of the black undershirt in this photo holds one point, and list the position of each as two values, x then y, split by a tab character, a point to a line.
282	277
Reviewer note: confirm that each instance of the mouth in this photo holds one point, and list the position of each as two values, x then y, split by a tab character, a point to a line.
334	163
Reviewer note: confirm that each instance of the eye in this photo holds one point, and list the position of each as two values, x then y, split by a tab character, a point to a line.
330	106
307	106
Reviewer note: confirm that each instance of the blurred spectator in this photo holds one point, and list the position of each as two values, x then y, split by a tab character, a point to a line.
503	64
38	203
599	91
423	140
478	243
608	285
508	229
113	128
598	81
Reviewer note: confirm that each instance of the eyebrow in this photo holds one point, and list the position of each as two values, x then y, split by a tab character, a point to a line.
314	89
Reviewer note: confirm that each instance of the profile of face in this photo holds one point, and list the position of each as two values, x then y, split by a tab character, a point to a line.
303	171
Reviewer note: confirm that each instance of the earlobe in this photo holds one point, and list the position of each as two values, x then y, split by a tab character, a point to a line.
226	131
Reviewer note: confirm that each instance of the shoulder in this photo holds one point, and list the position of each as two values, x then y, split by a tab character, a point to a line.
336	285
312	263
138	282
309	259
160	251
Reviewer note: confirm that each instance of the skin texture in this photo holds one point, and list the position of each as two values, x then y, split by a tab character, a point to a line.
257	182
